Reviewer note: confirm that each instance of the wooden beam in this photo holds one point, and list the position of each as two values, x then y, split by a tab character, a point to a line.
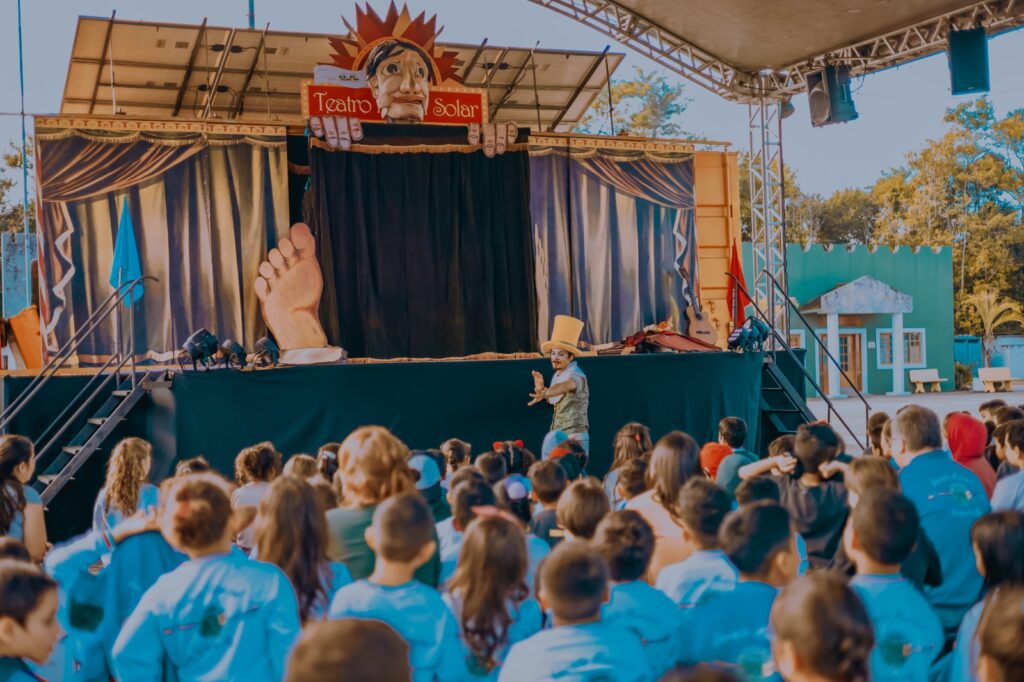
188	67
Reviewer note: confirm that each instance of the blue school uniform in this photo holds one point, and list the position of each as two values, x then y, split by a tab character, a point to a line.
536	550
527	619
651	615
105	520
338	578
17	528
16	670
949	499
449	544
418	614
908	635
706	569
963	660
589	651
801	551
220	617
1009	493
730	630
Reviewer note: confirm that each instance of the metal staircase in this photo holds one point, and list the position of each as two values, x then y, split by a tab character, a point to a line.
104	401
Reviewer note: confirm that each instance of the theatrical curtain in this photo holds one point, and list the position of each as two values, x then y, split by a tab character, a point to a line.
204	209
425	245
611	232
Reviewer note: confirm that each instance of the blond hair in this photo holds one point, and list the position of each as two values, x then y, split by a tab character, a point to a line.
126	472
372	466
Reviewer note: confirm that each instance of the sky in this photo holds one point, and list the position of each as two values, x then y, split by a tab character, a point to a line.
900	109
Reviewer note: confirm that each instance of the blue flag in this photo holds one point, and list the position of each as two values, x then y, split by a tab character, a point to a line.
126	266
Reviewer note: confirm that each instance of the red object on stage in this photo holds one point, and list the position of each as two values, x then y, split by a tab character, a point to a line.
736	298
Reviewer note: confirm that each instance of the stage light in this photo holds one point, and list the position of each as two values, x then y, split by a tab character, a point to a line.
787	108
233	354
200	348
750	337
267	353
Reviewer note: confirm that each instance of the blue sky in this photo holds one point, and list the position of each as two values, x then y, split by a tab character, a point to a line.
899	109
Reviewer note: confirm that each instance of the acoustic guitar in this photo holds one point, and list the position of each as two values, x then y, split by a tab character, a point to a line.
700	326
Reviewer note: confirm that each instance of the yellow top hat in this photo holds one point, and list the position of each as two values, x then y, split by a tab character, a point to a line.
565	335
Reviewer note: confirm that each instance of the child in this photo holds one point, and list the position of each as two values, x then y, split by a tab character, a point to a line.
987	410
457	454
876	424
493	466
998	543
518	459
632	481
552	439
302	466
489	595
1009	491
12	548
402	536
822	631
572	457
626	542
764	489
581	508
967	438
711	457
732	431
428	484
1004	415
327	463
351	649
1000	634
28	623
730	628
882	530
949	498
291	533
513	495
126	491
465	496
816	504
255	467
702	507
573	585
192	465
219	615
21	508
631	442
548	482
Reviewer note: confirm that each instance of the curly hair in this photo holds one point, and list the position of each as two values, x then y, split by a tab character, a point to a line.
291	533
260	462
491	576
14	451
127	469
372	465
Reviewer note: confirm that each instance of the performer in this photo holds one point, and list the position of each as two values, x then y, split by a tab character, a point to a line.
569	392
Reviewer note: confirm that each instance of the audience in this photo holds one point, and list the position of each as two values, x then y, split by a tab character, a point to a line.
548	482
301	466
876	425
1003	416
457	454
428	484
193	465
21	508
327	463
351	649
467	497
732	432
711	456
581	507
28	623
632	442
1009	491
126	491
255	468
1000	655
967	438
632	482
514	496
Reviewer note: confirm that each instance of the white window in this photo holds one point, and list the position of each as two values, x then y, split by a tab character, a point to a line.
796	338
914	355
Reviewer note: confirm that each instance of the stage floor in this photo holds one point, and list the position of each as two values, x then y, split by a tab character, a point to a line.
217	413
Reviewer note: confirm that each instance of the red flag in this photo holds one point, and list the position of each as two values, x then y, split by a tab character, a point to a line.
737	300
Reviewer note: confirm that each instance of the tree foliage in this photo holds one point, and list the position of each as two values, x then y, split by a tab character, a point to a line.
647	105
11	198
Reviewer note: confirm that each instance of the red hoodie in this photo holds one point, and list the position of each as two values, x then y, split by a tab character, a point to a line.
967	439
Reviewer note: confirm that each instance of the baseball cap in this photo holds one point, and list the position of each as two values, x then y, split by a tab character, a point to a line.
425	465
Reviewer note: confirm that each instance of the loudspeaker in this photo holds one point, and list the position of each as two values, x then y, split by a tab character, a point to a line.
828	96
968	61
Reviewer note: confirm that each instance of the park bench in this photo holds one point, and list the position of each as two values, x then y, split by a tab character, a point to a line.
996	379
920	377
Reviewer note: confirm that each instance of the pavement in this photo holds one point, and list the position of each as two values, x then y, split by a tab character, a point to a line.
852	409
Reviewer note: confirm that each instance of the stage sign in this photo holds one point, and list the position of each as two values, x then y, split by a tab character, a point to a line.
446	105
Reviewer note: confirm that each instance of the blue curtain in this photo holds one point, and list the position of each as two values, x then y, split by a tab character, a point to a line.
611	237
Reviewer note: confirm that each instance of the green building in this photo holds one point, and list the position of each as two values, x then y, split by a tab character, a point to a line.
854	297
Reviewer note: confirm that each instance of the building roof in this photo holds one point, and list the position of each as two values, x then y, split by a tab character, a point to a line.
863	296
197	71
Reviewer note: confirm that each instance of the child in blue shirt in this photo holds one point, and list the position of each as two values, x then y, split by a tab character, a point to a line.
465	495
732	431
28	619
580	646
729	629
581	507
998	541
219	615
765	489
821	631
701	508
548	481
349	649
488	593
125	492
1009	492
513	496
949	499
402	537
1000	633
626	541
881	532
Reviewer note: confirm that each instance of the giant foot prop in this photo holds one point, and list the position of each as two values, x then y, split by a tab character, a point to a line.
289	288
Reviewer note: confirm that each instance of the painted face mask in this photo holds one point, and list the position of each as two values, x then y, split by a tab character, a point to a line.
401	85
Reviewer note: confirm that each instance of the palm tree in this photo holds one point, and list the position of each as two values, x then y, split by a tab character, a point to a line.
994	311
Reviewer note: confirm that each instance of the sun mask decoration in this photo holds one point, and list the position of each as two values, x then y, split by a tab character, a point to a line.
400	57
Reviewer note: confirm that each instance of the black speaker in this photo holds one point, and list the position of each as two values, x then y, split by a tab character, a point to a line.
828	96
968	61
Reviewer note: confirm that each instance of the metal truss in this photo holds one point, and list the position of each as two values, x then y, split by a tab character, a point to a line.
767	212
721	78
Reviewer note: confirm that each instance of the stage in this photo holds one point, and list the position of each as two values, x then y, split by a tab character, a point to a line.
216	413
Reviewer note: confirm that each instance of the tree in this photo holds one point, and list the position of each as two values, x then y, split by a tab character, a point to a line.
11	200
645	106
993	311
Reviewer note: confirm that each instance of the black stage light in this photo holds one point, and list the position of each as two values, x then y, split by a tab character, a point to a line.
233	354
750	337
200	348
267	353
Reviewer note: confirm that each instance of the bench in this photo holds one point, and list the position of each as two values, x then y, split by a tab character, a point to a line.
996	379
920	377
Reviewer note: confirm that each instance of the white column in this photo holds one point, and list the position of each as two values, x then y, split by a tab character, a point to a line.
898	387
832	341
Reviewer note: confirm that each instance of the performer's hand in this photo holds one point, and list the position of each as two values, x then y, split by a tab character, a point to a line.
538	396
538	381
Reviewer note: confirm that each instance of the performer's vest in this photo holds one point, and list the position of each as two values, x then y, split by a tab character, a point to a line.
571	411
